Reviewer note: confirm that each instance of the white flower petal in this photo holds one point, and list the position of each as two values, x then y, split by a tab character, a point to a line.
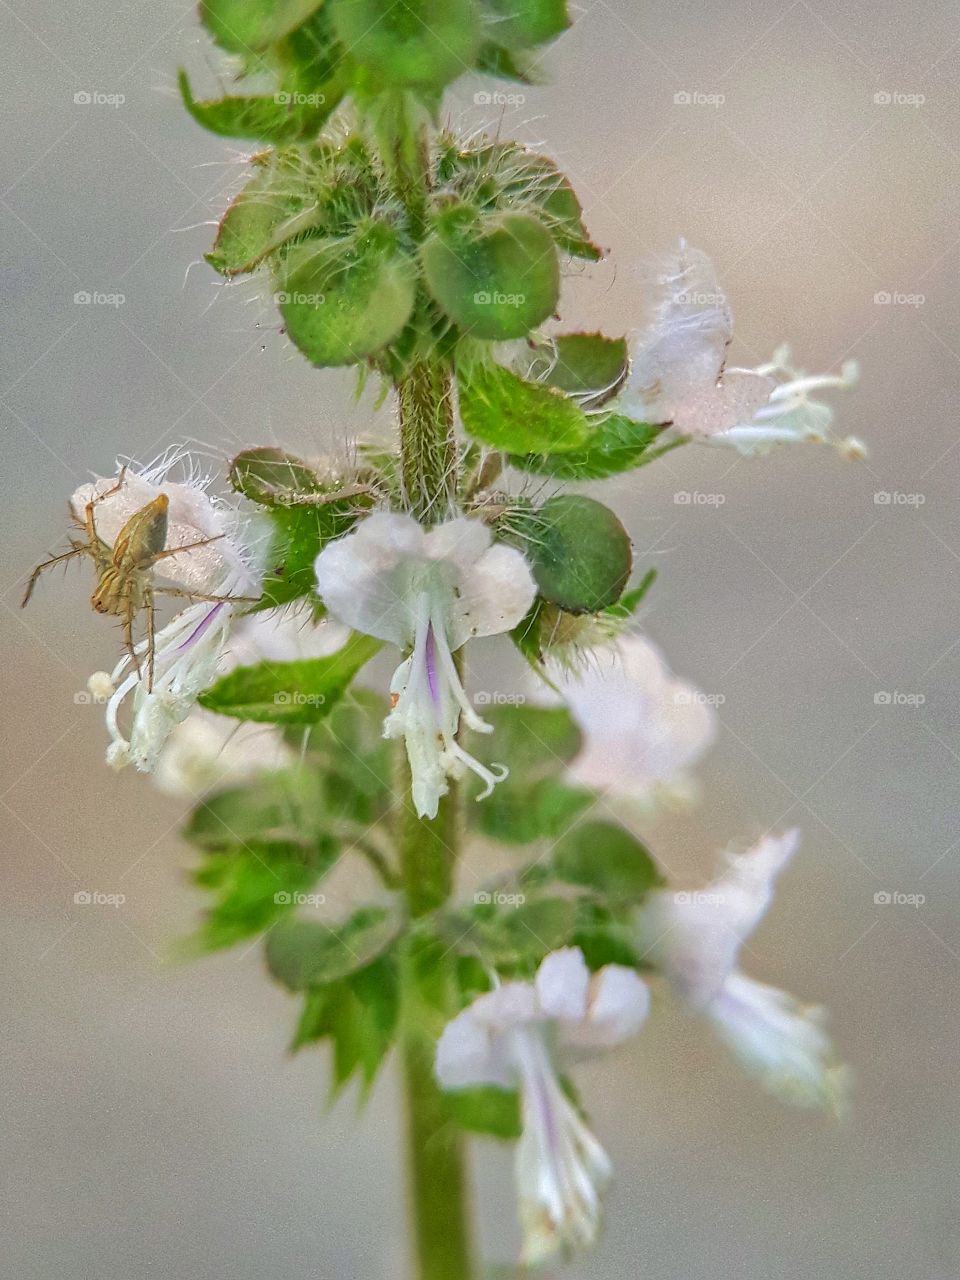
469	1054
494	597
695	936
642	727
617	1006
562	982
781	1042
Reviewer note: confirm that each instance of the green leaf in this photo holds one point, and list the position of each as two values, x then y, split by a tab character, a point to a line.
507	413
497	276
409	43
354	760
519	812
281	118
253	884
604	939
301	692
579	552
607	858
538	742
243	26
285	806
342	300
615	444
587	365
309	953
629	602
520	24
300	532
485	1109
514	937
358	1015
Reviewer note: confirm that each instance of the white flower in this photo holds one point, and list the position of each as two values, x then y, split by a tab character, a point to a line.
207	751
678	373
695	939
188	649
790	416
428	592
509	1038
642	727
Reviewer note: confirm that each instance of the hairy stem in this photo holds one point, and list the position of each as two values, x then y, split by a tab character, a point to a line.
438	1190
428	449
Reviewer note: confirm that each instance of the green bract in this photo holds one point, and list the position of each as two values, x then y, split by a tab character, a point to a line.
502	410
415	44
496	276
579	552
246	26
518	24
343	300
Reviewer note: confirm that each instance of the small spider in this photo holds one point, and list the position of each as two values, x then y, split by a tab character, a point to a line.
124	585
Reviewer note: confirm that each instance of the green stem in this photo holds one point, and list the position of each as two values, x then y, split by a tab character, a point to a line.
438	1191
437	1178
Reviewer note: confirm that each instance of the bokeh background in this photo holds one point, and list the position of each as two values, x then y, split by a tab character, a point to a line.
154	1126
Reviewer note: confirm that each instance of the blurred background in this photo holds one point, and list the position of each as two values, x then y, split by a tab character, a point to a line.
155	1127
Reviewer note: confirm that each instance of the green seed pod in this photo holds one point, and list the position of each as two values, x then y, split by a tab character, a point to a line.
521	24
580	554
498	277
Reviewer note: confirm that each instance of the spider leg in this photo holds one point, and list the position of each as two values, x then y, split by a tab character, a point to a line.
47	564
151	638
187	546
200	595
98	548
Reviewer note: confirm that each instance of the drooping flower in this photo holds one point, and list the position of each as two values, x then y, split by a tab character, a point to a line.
207	751
642	726
791	416
511	1037
679	376
189	649
695	939
428	592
